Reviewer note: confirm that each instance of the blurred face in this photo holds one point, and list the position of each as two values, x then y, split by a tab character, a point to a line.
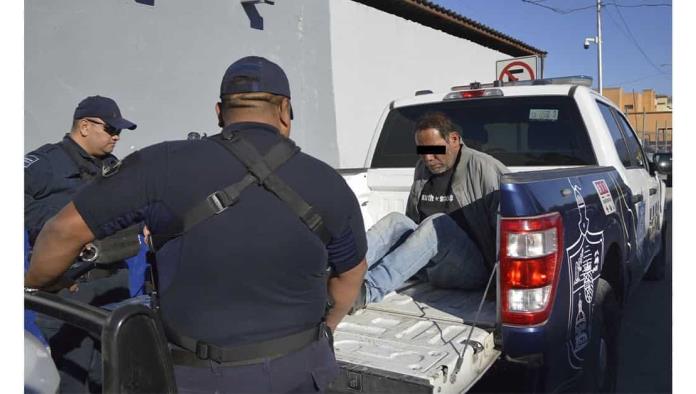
99	138
431	140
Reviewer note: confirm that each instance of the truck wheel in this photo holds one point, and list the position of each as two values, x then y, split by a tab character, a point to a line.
602	362
657	266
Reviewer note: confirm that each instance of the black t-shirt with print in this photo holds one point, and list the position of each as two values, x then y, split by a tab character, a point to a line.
437	196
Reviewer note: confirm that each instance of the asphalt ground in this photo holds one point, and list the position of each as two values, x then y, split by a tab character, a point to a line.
645	359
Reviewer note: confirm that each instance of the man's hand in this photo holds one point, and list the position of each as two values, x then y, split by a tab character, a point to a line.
58	244
343	289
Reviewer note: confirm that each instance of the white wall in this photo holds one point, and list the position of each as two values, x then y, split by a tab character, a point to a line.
163	65
377	57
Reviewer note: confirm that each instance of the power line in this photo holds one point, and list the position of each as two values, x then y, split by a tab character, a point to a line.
640	79
557	10
568	11
639	5
635	42
623	31
626	33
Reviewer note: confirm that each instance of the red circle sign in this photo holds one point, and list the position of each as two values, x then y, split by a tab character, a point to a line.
511	77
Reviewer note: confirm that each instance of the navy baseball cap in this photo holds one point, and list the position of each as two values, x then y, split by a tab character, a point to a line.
255	74
105	109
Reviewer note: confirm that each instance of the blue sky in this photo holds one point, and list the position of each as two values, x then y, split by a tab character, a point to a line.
624	30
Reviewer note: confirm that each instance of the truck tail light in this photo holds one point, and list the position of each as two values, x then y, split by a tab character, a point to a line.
531	252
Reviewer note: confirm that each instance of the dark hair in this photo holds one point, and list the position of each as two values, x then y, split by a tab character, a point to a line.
438	121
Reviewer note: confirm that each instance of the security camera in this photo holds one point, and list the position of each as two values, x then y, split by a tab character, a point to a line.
588	40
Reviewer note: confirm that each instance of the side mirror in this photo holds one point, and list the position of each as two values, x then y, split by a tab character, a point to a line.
653	167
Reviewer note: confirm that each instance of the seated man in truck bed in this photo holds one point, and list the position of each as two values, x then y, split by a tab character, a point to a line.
448	233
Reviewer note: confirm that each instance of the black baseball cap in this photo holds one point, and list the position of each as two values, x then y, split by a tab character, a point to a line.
255	74
105	109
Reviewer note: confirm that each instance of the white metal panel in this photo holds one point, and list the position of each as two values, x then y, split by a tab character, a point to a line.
424	349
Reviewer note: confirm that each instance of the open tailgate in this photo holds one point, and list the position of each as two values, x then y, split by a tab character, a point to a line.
404	345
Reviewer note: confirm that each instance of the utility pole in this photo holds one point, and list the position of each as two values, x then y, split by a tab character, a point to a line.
599	43
597	40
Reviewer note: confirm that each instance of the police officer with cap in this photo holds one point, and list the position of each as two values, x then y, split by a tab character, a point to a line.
251	235
53	174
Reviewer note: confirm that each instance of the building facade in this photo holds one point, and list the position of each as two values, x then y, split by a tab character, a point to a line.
650	115
163	60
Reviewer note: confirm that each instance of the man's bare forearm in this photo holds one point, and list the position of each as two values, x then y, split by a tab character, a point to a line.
343	289
58	244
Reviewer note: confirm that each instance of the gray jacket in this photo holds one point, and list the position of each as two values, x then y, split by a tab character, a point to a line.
475	185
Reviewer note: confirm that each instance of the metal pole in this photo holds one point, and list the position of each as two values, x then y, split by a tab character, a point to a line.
599	43
643	122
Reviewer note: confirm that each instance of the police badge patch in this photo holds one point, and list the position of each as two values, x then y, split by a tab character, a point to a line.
110	167
29	160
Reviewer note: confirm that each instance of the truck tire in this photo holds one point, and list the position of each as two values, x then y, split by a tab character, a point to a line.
656	271
601	365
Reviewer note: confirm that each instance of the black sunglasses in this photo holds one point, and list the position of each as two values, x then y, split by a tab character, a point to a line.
111	130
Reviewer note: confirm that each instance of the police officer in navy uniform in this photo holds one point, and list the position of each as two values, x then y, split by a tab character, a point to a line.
54	172
52	175
252	237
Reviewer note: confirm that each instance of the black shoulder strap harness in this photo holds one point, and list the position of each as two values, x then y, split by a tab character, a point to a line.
86	173
260	170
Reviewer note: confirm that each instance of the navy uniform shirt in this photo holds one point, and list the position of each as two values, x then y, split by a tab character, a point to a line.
251	273
52	175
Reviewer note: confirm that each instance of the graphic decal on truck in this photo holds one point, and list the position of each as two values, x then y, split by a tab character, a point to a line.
584	258
627	214
605	196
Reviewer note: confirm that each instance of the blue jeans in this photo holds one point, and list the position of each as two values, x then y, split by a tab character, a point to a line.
437	249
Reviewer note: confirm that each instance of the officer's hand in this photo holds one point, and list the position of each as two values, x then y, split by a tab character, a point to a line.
332	324
61	284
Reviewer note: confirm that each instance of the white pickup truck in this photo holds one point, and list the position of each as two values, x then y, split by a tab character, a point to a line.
574	158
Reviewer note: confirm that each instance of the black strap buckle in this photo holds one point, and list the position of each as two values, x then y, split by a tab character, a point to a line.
202	350
312	220
217	200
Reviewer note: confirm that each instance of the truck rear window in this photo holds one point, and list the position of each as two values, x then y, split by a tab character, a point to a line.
518	131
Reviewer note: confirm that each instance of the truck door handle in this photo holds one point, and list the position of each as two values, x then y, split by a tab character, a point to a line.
653	190
637	198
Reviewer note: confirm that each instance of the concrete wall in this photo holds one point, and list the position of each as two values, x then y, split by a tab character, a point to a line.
377	57
163	65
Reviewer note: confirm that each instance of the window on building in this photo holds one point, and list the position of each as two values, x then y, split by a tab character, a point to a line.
628	107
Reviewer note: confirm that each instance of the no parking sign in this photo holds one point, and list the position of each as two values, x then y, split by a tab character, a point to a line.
517	69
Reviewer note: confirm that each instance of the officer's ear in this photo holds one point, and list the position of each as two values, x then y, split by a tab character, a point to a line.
218	111
83	127
285	115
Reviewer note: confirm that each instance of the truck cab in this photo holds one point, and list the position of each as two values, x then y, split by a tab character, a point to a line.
579	223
